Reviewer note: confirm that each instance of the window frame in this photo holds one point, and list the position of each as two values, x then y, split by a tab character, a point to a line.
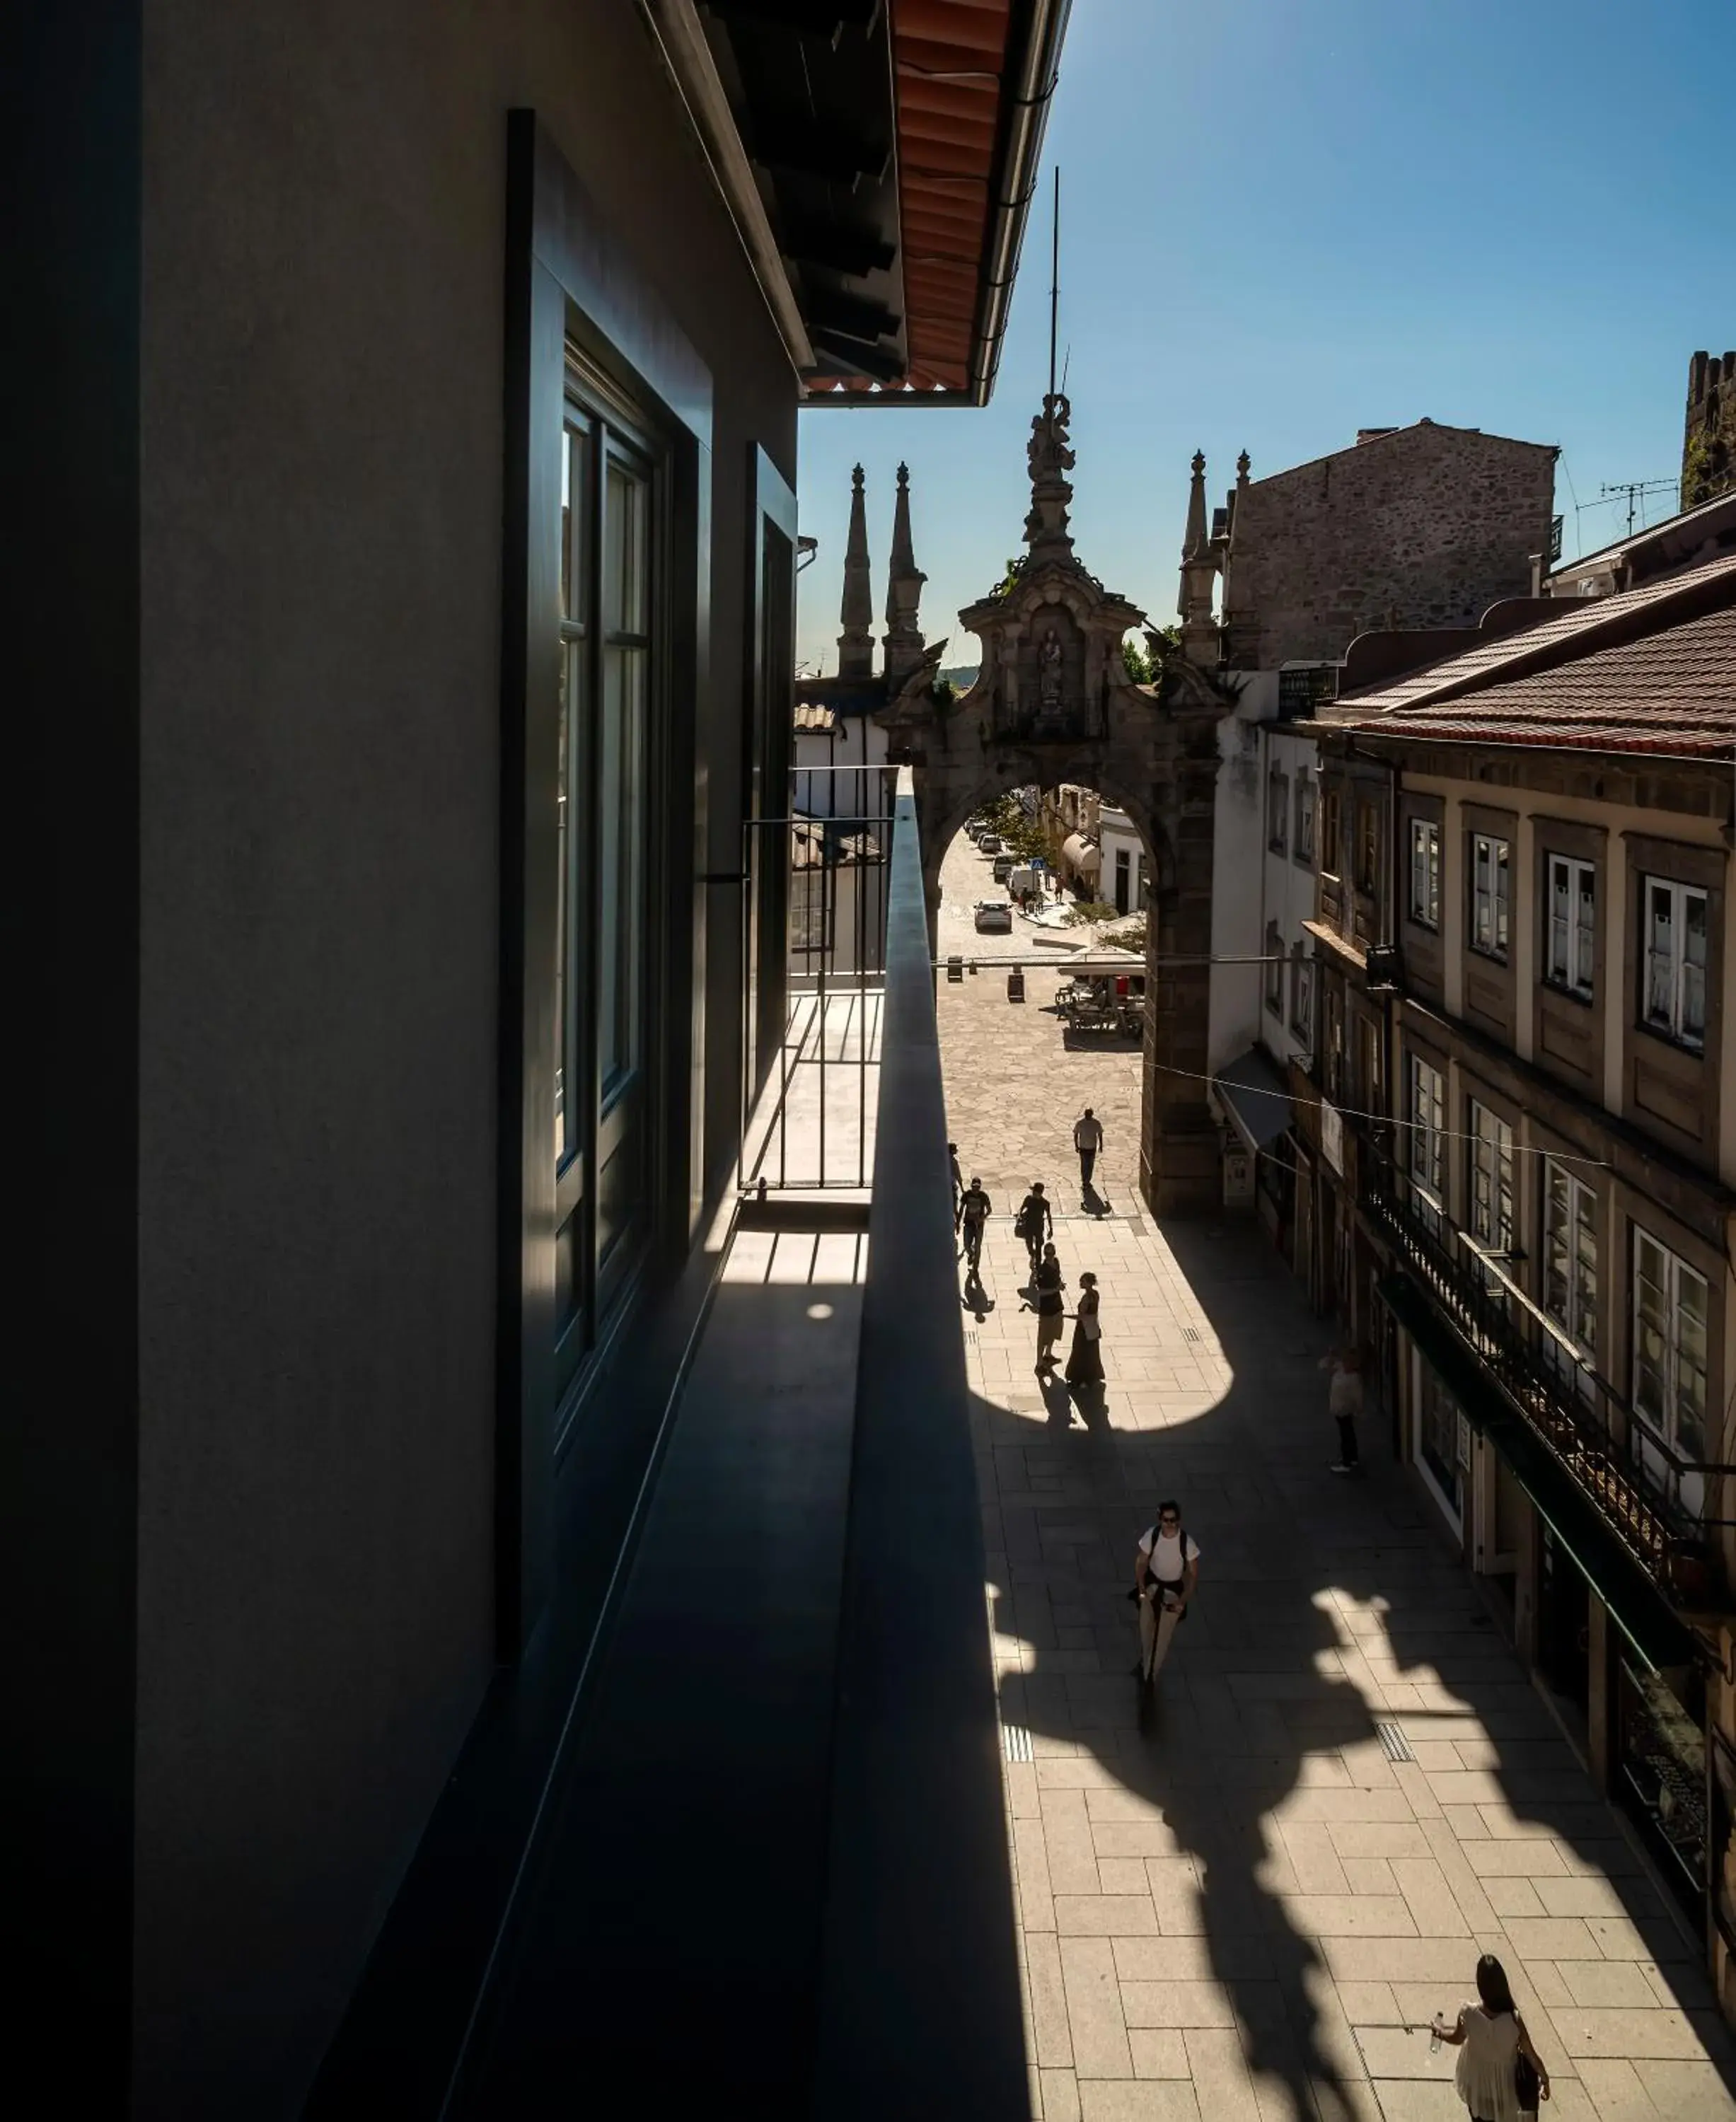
1332	832
1277	811
1426	1157
1498	894
1367	851
1665	1423
1564	1236
1424	840
1492	1189
1302	995
1573	979
1275	965
1682	895
1307	801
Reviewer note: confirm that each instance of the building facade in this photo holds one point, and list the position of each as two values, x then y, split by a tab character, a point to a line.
1520	1115
418	474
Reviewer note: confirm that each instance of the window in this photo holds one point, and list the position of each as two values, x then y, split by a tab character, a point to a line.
1334	1008
1274	970
1570	1261
1426	873
1302	996
1331	855
1671	1309
1123	880
1428	1119
1303	845
1368	849
1491	1179
1573	924
1675	932
603	837
1367	1063
1488	895
1277	810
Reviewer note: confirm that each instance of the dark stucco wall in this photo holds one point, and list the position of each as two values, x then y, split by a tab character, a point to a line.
321	414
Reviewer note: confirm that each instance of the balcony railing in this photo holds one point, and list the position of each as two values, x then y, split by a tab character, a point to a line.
1629	1473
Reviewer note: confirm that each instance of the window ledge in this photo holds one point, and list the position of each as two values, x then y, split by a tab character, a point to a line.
1568	995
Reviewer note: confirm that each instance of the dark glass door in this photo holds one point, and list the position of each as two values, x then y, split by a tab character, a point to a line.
603	972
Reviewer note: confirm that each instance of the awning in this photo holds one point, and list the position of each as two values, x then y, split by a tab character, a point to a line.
1636	1603
1082	853
1256	1096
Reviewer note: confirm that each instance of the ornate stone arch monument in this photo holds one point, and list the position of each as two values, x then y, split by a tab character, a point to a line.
1053	702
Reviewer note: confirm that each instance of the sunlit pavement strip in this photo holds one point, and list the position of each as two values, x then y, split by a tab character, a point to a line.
1238	1913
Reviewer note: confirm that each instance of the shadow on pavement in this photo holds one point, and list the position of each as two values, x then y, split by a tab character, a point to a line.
1313	1592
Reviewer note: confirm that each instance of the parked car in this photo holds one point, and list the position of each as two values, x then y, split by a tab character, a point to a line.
974	830
1005	865
993	917
989	844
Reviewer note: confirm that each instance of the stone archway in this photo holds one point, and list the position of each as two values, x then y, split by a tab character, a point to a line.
1053	702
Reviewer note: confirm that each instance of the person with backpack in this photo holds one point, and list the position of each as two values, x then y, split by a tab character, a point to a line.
1034	1222
975	1209
1500	2077
1165	1575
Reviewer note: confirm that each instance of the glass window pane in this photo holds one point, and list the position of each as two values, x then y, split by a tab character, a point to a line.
626	541
621	869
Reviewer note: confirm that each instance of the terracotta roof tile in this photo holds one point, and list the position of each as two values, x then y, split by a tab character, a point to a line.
1670	689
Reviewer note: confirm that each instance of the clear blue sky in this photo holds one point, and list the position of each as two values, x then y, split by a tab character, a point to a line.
1283	220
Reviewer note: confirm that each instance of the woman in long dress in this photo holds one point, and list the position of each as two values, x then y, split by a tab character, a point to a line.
1085	1361
1492	2038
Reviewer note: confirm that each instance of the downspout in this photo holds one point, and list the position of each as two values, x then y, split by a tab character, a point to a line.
1023	117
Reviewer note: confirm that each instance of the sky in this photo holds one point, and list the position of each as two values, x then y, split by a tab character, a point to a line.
1284	220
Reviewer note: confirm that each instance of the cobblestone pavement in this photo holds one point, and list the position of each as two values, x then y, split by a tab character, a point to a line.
1235	1903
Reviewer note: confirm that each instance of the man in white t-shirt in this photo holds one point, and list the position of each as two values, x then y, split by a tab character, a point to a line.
1166	1572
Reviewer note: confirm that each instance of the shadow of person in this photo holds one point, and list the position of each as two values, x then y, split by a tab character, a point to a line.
976	1299
1092	1201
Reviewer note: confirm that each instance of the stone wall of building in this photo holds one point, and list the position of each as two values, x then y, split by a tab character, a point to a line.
1418	527
1709	433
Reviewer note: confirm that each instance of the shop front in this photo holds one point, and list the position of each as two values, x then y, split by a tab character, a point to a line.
1661	1770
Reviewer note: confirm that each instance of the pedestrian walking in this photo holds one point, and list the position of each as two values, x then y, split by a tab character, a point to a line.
1500	2077
1343	1398
1052	1309
1165	1575
958	1184
1087	1139
1035	1221
1085	1358
975	1209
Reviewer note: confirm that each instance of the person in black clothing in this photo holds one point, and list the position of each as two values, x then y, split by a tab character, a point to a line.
1051	1308
1035	1221
973	1211
958	1182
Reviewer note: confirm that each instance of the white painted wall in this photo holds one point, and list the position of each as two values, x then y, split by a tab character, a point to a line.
856	740
1287	885
1118	836
1238	838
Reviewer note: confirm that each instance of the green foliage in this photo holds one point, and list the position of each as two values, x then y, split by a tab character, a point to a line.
1015	568
943	693
1132	937
1020	836
1088	911
1136	662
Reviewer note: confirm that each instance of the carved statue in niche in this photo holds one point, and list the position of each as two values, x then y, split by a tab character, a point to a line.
1049	684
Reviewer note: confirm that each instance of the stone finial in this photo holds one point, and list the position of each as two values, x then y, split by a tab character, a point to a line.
1194	537
905	579
1244	464
856	643
1199	567
1051	459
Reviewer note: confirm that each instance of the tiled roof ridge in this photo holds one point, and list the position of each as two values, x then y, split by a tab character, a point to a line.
1586	625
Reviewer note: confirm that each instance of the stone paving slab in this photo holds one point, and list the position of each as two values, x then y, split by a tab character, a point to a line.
1233	1903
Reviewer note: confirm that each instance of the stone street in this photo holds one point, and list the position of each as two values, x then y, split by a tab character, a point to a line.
1243	1900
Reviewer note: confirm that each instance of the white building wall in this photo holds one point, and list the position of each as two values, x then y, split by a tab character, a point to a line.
1119	838
1288	882
1237	837
821	791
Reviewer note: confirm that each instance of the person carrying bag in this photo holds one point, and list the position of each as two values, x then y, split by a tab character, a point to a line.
1500	2077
